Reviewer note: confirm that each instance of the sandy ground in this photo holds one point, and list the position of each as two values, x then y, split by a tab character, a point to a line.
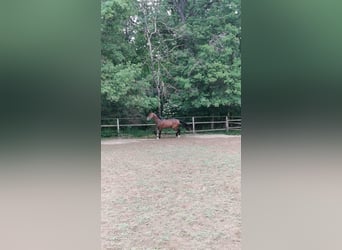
171	193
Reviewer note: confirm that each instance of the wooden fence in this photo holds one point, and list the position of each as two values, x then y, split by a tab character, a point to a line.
198	124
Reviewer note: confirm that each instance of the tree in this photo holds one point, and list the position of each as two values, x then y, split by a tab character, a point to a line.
125	89
177	56
207	70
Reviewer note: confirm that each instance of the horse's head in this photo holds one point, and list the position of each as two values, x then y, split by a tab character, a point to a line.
150	116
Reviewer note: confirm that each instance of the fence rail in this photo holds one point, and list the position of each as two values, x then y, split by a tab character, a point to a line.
198	124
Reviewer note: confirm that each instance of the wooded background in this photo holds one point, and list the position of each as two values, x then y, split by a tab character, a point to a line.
173	57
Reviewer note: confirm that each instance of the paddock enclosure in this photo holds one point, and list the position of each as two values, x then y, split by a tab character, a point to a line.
171	193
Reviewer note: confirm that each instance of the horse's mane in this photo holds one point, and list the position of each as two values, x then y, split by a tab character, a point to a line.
159	117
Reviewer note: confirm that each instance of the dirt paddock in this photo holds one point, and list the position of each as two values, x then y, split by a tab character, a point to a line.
171	193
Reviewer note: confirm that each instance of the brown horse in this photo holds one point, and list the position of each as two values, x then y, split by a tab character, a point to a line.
167	123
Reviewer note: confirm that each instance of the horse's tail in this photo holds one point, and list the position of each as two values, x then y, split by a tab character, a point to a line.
185	125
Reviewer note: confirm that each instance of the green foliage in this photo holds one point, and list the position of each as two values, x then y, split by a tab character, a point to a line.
180	57
108	132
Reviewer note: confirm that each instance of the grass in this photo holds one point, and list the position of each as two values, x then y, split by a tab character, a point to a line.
130	132
133	132
230	132
108	132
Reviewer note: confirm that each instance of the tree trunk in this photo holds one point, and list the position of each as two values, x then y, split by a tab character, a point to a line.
180	7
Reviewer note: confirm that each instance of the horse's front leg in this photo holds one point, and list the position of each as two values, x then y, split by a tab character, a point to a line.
157	133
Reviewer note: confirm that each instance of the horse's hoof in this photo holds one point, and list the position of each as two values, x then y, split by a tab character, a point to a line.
157	138
178	136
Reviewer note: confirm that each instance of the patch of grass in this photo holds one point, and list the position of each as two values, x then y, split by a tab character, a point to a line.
108	132
149	132
127	132
233	132
135	132
230	132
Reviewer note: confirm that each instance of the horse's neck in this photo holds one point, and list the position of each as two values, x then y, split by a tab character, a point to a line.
156	119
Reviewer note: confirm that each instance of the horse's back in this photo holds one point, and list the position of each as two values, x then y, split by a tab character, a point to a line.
169	123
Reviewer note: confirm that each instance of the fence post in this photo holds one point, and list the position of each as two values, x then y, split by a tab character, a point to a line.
117	126
193	125
227	124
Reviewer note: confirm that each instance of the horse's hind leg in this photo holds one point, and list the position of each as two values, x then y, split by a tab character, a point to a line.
178	133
